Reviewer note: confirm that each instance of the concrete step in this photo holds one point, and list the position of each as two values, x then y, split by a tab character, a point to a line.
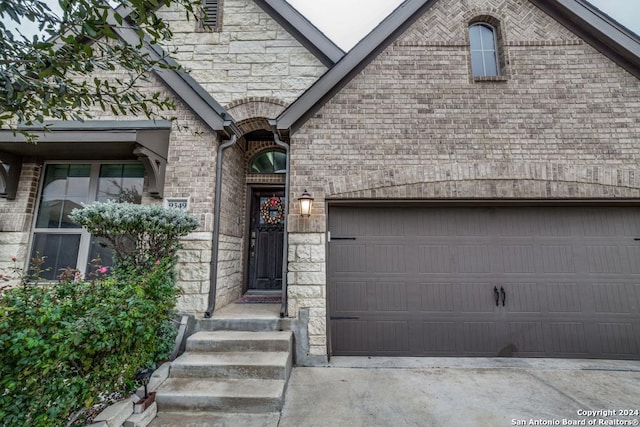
215	419
232	395
266	365
243	324
240	341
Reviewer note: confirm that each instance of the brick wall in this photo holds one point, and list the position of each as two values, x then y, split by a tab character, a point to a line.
413	124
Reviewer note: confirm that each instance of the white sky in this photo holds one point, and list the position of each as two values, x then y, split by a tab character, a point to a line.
347	21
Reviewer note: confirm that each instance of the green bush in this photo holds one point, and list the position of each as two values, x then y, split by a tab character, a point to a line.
64	345
138	234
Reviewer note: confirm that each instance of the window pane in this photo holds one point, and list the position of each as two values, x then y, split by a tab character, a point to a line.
280	162
122	183
477	63
269	162
474	37
60	251
486	35
96	252
491	69
65	188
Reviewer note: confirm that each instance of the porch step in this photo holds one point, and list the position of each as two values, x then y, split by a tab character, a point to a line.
264	365
229	341
254	325
226	373
230	395
215	419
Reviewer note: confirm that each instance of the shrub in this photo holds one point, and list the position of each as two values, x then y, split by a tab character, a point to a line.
65	344
138	234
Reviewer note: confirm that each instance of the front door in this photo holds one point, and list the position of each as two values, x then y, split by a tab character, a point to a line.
266	239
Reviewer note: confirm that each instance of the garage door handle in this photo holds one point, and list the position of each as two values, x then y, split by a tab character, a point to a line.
504	295
497	294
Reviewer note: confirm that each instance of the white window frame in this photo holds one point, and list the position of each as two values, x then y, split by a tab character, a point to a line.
85	236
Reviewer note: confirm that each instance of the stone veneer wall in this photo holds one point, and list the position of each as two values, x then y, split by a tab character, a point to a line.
307	279
561	124
16	217
250	56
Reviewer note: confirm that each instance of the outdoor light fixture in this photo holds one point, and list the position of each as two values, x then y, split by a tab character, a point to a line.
144	375
305	203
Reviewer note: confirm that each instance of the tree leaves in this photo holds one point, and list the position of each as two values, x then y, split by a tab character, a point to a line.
50	75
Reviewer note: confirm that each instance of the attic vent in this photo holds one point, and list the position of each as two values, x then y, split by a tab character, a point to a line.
210	14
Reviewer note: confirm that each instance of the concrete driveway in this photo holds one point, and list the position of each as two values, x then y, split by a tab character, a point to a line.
355	391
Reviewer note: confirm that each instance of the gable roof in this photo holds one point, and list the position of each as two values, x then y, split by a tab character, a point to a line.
303	30
598	29
180	82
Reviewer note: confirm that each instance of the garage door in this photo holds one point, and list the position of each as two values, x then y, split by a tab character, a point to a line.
497	281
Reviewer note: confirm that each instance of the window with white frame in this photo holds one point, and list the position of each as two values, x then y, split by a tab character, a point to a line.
67	186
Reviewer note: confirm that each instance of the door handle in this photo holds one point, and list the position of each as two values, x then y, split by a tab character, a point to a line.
497	294
504	295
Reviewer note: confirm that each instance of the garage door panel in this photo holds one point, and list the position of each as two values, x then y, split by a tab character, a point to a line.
605	222
386	222
390	296
615	298
568	339
524	298
434	259
435	223
350	336
616	340
425	286
477	297
473	259
386	258
391	337
468	224
557	259
479	339
350	297
348	258
438	338
526	339
518	259
563	298
547	223
604	259
437	297
632	256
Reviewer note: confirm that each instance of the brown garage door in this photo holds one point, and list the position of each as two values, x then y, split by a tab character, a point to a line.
498	281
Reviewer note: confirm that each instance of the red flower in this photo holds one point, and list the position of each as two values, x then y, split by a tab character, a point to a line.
14	259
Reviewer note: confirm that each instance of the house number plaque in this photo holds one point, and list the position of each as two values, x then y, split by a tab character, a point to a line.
177	203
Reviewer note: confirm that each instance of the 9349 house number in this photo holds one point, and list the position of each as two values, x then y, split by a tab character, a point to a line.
182	204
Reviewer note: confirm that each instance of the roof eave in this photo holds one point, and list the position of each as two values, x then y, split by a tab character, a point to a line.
352	63
302	30
180	82
606	35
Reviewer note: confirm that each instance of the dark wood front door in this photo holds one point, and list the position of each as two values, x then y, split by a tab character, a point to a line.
266	239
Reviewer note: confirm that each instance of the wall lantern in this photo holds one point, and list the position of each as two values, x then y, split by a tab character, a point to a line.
305	204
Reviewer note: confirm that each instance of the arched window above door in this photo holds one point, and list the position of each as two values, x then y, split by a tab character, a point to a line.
268	162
